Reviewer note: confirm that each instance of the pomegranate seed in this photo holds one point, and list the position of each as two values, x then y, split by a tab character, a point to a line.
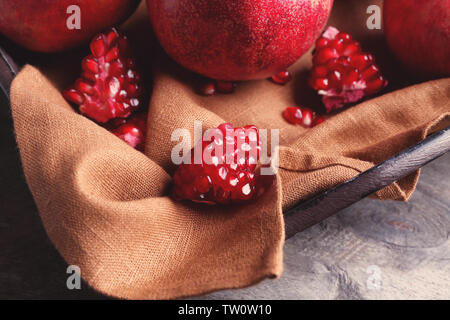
208	89
73	96
344	36
225	86
112	54
350	78
293	115
321	43
351	48
324	55
319	83
307	117
319	71
90	65
341	72
360	61
282	77
337	44
371	72
335	78
375	85
98	46
317	121
132	130
84	87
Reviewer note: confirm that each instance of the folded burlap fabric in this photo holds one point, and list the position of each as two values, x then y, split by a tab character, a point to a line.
106	208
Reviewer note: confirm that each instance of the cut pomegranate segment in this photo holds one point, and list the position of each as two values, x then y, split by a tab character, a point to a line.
342	73
227	171
109	86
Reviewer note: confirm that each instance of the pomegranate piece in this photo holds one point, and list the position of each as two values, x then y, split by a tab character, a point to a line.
227	171
133	130
225	86
109	86
293	115
208	89
282	77
307	117
212	87
302	116
342	73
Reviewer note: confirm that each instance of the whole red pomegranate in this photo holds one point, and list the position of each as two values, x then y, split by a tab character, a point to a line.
237	39
418	33
42	25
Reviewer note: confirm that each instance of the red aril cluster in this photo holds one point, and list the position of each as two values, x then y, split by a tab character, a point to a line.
109	86
227	171
342	73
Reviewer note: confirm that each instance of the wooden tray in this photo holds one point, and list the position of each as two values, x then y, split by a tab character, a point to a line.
313	210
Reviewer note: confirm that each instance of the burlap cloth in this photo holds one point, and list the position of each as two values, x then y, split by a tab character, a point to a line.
106	208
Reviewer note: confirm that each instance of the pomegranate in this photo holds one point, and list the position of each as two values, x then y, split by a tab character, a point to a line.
42	25
418	33
237	39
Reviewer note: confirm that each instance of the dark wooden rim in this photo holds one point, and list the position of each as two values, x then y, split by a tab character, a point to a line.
8	70
324	204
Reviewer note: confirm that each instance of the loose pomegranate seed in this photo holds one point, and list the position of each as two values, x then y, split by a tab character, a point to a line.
297	115
225	86
224	177
307	117
317	121
132	130
109	86
282	77
209	89
341	72
293	115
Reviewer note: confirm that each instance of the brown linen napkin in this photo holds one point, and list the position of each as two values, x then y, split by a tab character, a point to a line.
106	208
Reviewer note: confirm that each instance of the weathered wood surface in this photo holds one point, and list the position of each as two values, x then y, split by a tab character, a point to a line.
325	204
408	243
